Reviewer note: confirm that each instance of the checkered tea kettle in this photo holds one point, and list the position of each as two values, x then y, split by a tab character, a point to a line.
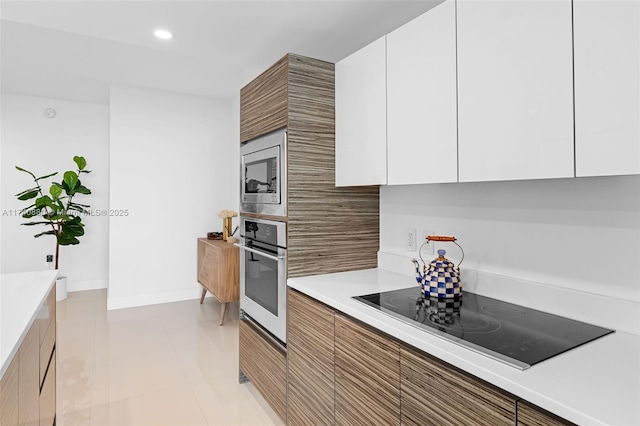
440	278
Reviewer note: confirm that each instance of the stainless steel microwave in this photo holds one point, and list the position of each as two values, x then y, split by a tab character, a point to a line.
263	172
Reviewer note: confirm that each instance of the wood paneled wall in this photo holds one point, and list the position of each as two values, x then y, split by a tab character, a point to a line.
329	229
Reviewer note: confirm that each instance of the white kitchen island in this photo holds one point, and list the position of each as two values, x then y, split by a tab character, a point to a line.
596	383
22	295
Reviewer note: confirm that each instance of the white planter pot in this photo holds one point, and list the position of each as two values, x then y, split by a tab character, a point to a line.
61	288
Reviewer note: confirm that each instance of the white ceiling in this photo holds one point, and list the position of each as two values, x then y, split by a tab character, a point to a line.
75	49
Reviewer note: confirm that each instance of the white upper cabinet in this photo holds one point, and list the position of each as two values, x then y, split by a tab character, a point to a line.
607	76
421	99
515	90
361	117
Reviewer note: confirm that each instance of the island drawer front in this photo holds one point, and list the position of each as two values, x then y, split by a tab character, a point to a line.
265	365
9	395
46	348
48	395
47	314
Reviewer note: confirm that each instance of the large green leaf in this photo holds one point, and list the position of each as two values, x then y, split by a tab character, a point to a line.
28	195
67	240
81	189
45	201
55	191
71	179
47	176
73	227
80	161
26	190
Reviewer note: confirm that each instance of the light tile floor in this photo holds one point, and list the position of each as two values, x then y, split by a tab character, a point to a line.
168	364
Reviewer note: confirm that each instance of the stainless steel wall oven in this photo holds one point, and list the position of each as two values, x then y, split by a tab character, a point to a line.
263	273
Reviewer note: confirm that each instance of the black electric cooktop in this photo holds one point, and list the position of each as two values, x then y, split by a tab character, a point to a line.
518	336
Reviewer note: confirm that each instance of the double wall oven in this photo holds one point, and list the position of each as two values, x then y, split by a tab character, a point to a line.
263	238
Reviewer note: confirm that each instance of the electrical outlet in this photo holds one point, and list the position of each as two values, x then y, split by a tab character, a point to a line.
49	258
428	247
410	239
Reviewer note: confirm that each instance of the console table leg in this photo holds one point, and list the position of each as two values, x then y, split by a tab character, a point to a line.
224	311
204	293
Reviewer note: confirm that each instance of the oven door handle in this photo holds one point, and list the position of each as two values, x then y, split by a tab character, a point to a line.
261	253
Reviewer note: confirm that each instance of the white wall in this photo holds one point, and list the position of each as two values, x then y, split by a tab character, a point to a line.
173	162
44	145
581	234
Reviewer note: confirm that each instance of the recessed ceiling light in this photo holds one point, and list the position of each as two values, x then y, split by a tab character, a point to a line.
163	34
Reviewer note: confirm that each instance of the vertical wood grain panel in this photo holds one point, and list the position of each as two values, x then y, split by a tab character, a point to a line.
436	394
367	375
9	394
29	378
329	229
310	361
48	395
266	366
263	102
46	349
218	269
531	415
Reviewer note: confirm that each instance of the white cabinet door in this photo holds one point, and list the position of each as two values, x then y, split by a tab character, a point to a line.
361	117
421	99
607	76
515	90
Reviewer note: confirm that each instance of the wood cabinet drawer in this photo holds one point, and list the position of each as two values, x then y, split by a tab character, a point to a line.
528	414
9	395
434	393
47	313
29	379
265	365
310	357
48	395
46	347
367	383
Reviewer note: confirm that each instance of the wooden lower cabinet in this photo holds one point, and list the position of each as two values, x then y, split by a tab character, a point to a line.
531	415
436	394
310	361
48	395
265	364
9	395
367	377
28	386
219	271
29	378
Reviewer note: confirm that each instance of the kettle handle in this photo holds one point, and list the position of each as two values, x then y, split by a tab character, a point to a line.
441	238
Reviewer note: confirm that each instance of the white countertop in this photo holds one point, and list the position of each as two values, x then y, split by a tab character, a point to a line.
21	296
596	383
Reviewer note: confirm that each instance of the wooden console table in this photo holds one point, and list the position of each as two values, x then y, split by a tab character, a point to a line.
219	271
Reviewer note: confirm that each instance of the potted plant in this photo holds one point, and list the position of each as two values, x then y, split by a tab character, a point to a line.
57	209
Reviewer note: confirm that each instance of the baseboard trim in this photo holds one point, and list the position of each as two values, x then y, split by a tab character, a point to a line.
85	285
152	299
